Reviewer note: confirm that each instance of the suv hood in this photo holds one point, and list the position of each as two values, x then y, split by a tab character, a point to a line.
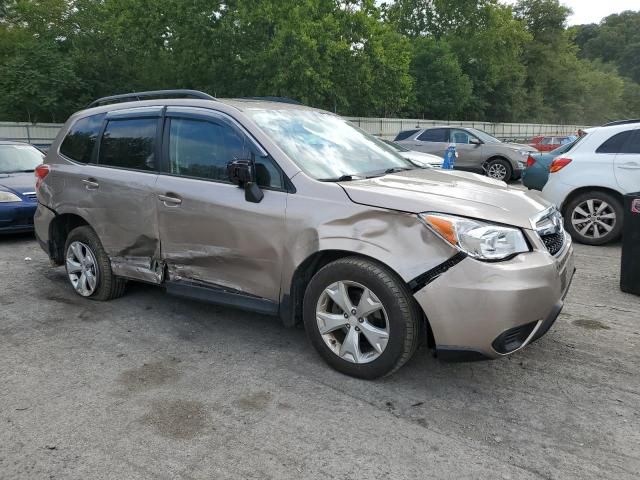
515	146
448	191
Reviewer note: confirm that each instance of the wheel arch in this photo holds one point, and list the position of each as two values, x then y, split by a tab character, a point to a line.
498	156
59	230
291	302
578	191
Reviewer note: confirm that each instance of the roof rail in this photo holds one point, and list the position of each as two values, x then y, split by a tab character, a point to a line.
621	122
274	99
136	96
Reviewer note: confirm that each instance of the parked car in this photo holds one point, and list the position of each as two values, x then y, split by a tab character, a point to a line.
17	186
287	210
587	183
537	172
477	151
550	143
421	159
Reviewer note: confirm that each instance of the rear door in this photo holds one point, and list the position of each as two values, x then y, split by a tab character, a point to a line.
433	140
119	191
470	156
210	234
627	164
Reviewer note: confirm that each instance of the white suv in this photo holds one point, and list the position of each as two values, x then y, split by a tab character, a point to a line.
587	182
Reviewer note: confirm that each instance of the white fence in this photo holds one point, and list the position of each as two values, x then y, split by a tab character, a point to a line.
35	133
43	133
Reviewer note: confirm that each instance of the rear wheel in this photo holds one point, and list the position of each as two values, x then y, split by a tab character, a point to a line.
88	267
594	218
361	318
500	170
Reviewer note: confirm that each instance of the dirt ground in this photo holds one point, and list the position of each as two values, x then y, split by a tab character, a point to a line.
151	386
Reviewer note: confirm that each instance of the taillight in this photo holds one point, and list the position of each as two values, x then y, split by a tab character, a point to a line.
530	161
558	164
41	172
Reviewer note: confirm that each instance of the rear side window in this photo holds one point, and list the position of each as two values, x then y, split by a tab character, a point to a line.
616	143
81	138
405	134
633	145
129	143
434	135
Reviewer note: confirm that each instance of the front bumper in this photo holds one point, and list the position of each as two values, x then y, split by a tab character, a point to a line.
17	217
479	310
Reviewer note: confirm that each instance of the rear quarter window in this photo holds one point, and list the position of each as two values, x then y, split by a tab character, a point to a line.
81	138
405	134
616	143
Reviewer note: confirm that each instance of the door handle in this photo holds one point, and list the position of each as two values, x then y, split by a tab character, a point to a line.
629	166
91	183
170	200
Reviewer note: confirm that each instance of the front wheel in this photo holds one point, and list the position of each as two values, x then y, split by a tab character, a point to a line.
594	218
361	318
500	170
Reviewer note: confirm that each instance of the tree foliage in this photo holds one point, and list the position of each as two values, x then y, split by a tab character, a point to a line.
465	59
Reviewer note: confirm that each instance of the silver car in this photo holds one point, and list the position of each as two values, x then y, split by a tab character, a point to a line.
287	210
477	150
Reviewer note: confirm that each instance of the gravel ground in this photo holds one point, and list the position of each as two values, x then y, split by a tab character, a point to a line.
150	386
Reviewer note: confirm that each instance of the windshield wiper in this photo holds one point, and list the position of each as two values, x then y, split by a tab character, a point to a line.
397	169
343	178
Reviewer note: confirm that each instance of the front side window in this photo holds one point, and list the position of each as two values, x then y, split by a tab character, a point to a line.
81	138
326	146
203	149
460	136
616	143
19	158
434	135
129	143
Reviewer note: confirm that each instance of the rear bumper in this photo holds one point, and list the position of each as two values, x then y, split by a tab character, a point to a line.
17	217
480	310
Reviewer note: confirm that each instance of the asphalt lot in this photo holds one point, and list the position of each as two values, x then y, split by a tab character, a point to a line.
151	386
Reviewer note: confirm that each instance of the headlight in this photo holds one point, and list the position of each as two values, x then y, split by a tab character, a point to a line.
9	197
524	153
477	239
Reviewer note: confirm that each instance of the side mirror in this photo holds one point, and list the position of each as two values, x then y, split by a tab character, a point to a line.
241	172
475	141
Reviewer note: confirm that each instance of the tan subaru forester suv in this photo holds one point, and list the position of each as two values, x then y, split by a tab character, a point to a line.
286	210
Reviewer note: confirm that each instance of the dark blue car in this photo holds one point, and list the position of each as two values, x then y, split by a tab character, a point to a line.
18	200
536	174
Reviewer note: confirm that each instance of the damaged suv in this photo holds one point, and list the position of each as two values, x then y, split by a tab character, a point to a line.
287	210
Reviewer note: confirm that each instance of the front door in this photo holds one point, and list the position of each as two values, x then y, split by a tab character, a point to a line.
210	234
469	155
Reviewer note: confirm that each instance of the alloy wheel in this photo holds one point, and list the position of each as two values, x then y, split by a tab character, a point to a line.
82	268
497	171
593	218
352	322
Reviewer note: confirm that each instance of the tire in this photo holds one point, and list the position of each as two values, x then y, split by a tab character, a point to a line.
499	169
398	316
83	242
604	207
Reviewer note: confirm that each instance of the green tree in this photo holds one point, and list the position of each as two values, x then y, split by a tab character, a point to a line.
442	90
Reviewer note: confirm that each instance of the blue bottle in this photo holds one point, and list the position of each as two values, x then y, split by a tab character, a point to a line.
450	156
